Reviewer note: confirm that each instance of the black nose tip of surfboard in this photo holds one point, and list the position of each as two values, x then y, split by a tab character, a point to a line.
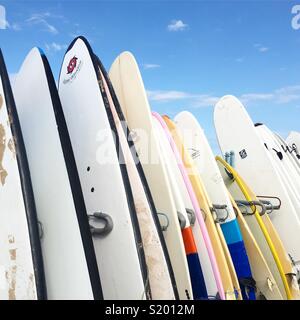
258	124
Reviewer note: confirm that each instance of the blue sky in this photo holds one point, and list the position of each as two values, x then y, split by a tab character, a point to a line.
190	52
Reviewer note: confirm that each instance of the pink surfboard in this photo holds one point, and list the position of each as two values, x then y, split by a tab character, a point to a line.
196	206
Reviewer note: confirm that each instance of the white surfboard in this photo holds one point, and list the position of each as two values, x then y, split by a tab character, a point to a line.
293	140
198	146
181	195
289	151
286	171
21	263
158	274
236	132
127	82
105	183
66	242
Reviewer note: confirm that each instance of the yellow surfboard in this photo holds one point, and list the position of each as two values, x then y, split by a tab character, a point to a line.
265	282
283	285
280	249
205	207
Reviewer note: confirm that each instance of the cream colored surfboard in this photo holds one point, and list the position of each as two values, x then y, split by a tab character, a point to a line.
259	266
158	273
205	206
129	88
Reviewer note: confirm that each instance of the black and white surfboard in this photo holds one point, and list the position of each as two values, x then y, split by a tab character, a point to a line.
21	263
103	175
70	263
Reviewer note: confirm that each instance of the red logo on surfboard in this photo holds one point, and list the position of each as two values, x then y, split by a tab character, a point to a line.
72	65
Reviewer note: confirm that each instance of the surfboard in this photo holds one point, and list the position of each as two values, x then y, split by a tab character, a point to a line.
282	165
293	140
281	158
196	274
241	192
158	273
21	263
207	270
103	175
210	282
196	143
129	88
254	164
288	150
199	199
260	270
289	269
154	216
67	248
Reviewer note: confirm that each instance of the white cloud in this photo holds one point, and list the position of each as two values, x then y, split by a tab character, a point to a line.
166	96
150	66
254	97
56	47
281	96
261	48
3	22
177	25
195	100
41	19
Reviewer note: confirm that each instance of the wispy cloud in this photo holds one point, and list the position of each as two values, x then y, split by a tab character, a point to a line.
3	22
240	59
56	47
281	96
150	66
177	25
195	100
166	96
261	48
42	19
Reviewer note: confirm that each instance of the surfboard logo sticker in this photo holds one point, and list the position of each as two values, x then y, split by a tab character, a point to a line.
73	68
194	153
72	65
243	154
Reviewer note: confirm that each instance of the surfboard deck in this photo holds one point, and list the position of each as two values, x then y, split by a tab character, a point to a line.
201	153
293	140
22	268
236	133
196	274
205	208
67	247
129	88
259	266
289	151
103	175
240	191
158	274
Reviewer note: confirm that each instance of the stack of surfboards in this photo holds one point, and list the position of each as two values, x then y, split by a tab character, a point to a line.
101	198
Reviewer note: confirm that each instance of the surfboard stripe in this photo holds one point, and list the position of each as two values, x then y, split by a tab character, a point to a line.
241	264
231	232
189	241
197	279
